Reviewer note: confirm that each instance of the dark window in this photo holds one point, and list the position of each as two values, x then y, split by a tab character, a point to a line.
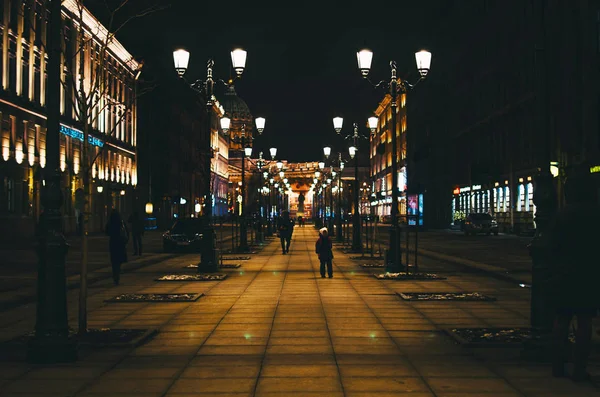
7	203
15	9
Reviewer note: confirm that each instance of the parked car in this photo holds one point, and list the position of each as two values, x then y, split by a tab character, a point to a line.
185	235
480	223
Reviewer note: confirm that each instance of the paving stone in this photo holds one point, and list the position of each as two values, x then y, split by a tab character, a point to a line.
381	384
217	385
223	371
301	371
298	384
469	385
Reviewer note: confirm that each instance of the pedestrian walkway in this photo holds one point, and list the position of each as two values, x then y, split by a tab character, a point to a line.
274	327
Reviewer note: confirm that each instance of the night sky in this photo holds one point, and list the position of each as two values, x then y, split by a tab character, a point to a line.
301	69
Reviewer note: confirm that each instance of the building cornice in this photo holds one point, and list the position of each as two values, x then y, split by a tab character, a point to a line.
100	33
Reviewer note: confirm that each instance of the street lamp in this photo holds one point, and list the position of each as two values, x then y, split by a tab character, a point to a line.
352	151
181	57
373	121
273	152
51	342
247	152
395	85
339	236
326	151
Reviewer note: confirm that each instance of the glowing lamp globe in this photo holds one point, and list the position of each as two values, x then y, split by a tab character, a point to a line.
238	60
260	124
149	208
423	59
364	58
181	58
225	124
352	151
373	123
338	122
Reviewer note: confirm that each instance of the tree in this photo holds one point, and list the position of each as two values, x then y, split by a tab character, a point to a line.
99	104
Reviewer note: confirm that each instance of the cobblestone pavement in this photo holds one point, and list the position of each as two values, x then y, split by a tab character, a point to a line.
274	327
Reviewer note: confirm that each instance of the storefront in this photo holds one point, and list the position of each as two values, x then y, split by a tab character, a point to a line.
514	210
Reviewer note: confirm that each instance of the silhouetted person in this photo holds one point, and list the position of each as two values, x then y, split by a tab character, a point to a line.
285	227
119	236
324	248
137	231
573	238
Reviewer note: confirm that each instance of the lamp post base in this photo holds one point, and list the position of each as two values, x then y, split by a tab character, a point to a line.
208	260
393	262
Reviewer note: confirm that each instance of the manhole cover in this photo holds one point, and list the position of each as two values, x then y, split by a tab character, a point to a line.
236	258
409	276
490	337
192	277
155	298
445	296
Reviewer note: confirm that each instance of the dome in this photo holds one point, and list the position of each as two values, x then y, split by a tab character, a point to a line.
235	107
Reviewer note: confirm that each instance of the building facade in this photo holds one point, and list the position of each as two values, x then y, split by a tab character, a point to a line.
506	102
110	120
380	155
174	150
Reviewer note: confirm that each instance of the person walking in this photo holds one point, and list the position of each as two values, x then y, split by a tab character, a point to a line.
137	231
324	248
285	227
118	238
572	291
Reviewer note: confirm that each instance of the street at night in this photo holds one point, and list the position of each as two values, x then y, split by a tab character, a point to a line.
274	327
243	199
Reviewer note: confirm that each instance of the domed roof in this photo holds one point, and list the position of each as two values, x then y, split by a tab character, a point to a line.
235	107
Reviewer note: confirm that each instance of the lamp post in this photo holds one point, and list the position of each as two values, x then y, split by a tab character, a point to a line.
246	152
208	262
339	235
395	85
51	342
352	150
334	174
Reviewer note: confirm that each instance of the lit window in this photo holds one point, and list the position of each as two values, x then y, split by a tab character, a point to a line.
506	199
499	199
529	198
521	198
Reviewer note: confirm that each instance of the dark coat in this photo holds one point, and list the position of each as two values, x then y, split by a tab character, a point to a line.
285	227
117	247
573	238
137	225
324	248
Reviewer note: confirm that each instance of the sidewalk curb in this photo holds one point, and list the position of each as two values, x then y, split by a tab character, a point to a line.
29	295
495	271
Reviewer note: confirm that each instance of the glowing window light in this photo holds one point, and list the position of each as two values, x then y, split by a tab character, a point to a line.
76	163
31	153
19	152
63	161
5	148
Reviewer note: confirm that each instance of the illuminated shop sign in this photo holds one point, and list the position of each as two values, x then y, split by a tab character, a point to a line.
79	135
466	189
595	169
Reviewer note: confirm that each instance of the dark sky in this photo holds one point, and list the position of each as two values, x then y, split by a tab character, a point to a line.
301	69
